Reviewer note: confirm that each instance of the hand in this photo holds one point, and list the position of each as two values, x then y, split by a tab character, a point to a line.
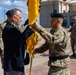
34	25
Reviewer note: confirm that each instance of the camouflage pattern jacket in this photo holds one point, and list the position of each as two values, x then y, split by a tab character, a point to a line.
73	31
58	46
1	42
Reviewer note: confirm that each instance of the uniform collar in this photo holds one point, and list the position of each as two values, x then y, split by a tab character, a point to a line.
14	25
57	28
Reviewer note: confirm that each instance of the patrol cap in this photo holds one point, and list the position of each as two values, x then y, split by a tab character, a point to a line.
74	17
58	15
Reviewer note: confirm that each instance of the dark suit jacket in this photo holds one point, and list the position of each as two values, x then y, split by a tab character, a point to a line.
14	48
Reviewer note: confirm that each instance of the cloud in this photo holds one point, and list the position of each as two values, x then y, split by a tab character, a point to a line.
23	9
44	0
19	3
3	9
8	2
15	3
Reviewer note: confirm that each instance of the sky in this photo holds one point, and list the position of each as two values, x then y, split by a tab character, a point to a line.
5	5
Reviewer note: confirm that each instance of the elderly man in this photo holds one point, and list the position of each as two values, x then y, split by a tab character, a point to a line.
58	45
14	44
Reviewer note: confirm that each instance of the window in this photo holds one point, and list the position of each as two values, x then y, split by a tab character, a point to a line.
64	23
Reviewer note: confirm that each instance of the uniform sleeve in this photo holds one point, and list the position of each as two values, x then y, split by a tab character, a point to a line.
52	39
0	32
42	48
46	35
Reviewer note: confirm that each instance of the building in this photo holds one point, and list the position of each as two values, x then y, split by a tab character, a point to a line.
57	6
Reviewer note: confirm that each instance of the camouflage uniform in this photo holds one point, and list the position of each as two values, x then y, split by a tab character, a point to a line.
73	38
58	46
0	40
1	43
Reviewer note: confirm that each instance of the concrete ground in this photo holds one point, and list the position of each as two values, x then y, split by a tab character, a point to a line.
41	67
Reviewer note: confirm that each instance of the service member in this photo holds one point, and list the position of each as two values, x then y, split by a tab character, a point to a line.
58	45
73	36
2	25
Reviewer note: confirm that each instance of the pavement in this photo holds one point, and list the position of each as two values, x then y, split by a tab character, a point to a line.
40	64
41	67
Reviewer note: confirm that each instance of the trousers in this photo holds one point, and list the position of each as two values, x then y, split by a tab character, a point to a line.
58	71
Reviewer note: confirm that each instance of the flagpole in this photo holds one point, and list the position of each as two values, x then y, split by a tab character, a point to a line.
31	59
33	12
